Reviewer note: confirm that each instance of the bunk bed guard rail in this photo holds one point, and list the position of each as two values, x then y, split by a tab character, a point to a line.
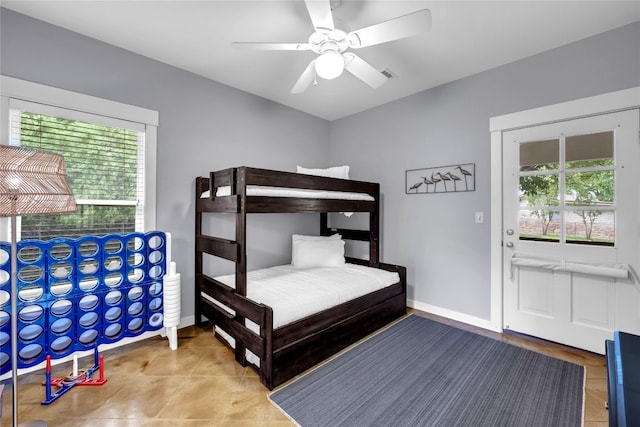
237	202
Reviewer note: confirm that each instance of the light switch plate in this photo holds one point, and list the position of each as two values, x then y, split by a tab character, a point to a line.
479	217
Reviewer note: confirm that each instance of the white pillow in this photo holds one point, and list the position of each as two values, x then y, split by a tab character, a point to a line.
317	251
341	172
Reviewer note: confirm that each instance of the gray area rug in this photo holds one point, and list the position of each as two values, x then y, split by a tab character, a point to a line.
419	372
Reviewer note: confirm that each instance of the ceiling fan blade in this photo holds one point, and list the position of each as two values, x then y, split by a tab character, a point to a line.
307	77
320	13
362	70
271	46
393	29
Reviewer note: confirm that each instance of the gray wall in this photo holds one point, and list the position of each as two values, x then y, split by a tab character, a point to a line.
204	126
446	253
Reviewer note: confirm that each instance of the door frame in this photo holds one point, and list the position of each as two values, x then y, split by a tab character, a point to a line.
626	99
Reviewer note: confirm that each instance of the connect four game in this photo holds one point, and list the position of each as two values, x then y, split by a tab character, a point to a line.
75	294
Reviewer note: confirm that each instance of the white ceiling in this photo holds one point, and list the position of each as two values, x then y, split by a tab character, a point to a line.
467	37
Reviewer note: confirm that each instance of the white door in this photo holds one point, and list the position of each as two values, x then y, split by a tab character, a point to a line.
571	217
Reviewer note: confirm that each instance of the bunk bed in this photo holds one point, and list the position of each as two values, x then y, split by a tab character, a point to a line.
286	351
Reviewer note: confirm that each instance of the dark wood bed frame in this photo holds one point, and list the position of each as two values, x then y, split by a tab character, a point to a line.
288	351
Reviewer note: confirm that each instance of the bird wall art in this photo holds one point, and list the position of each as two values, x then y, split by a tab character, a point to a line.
441	179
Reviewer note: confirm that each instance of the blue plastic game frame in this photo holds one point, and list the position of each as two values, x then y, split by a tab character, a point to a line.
75	294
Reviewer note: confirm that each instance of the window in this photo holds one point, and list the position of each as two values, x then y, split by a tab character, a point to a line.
109	158
567	189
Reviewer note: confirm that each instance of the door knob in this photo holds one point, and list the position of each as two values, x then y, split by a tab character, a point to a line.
510	232
509	244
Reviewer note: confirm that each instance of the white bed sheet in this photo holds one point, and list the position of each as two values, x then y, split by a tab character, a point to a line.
294	293
257	190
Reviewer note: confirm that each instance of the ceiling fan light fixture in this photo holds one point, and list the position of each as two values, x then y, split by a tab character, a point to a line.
329	65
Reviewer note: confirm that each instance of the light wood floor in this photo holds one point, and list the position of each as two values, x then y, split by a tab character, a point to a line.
200	384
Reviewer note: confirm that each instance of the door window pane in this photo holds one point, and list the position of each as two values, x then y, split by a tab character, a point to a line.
539	190
591	227
590	150
589	188
540	155
542	224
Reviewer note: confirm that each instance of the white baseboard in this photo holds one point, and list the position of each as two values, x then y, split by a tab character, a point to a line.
454	315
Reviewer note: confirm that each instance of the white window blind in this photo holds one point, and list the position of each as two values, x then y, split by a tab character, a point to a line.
105	162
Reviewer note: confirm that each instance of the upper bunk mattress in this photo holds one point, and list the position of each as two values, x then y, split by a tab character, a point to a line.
266	191
294	293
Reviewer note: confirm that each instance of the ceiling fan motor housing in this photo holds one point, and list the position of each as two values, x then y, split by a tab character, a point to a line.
321	41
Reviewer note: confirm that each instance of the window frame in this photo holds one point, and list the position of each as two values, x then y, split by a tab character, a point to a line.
22	90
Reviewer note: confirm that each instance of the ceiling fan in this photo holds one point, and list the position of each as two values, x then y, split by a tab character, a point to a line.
331	44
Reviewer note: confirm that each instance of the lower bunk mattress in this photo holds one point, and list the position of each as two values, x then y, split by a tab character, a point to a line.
295	293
